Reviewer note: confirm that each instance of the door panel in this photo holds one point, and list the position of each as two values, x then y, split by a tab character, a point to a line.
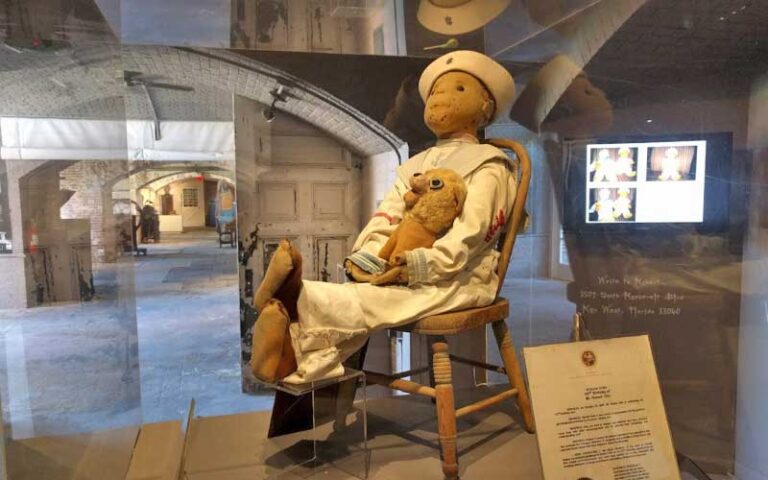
329	255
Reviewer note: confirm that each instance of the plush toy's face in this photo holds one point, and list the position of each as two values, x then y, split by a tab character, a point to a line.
436	198
458	103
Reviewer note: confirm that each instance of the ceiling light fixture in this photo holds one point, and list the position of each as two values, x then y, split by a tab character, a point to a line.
279	94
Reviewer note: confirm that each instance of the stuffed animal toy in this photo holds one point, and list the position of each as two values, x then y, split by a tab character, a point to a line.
432	204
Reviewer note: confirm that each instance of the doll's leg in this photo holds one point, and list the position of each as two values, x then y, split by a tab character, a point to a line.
282	279
289	291
272	356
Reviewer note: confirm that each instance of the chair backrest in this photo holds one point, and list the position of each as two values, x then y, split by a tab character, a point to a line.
515	221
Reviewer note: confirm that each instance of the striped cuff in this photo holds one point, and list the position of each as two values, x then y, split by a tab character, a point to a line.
367	261
416	261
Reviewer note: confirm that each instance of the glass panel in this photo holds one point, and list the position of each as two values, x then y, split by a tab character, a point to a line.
153	155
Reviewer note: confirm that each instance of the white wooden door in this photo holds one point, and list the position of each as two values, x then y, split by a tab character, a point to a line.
309	194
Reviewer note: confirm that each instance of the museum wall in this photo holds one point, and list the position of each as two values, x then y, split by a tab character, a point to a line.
12	284
532	253
90	180
311	26
697	271
751	414
192	216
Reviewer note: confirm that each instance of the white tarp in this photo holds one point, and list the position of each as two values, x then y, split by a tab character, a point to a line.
64	139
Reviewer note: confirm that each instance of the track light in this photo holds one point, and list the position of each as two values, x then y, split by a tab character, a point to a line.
279	94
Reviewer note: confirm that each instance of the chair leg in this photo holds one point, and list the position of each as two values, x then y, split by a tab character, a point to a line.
446	410
515	375
431	372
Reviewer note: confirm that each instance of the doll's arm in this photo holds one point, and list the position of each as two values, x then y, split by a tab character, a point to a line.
384	220
363	262
486	208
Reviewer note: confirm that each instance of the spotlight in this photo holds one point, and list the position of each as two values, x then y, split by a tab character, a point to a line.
269	113
279	94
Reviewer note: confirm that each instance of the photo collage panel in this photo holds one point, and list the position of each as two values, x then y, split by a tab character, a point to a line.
651	182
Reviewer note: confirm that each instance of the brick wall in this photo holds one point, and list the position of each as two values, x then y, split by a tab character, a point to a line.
91	180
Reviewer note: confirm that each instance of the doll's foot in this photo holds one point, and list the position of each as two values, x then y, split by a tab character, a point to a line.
278	271
272	356
289	291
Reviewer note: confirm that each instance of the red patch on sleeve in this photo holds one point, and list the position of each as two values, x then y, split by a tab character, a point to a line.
384	215
496	224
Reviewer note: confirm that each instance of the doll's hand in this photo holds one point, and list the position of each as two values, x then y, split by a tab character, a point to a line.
399	259
394	276
358	274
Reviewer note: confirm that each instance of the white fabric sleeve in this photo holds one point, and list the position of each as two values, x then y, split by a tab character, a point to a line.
388	214
478	227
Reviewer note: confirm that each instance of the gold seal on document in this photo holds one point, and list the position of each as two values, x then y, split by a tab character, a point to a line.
588	358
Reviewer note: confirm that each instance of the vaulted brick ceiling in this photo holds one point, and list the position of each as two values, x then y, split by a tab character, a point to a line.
87	82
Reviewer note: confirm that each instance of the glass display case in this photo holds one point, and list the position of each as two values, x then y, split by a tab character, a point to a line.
155	153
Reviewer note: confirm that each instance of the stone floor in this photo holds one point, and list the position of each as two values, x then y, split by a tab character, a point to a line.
164	329
402	444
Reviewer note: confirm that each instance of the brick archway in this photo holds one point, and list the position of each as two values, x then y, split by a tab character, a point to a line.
90	77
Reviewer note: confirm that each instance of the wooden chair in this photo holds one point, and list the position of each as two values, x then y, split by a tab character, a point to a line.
452	323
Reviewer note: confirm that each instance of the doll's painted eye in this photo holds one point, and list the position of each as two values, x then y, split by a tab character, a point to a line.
435	184
460	88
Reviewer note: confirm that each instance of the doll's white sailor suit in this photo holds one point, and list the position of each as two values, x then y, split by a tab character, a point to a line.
458	272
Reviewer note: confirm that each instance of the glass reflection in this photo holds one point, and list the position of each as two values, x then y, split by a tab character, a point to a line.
123	122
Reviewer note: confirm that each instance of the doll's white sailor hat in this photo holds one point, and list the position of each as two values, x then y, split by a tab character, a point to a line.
496	78
455	17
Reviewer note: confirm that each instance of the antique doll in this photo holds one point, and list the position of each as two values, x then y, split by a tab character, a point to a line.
463	91
624	164
604	206
604	167
670	165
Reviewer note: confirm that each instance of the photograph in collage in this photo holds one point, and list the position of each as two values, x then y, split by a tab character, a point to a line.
613	165
671	164
609	205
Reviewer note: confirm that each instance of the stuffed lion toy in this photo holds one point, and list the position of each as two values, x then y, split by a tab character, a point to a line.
434	201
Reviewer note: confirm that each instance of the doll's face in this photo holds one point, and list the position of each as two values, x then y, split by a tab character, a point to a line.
458	103
671	153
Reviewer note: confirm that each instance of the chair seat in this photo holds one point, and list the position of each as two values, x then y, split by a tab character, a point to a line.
451	323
